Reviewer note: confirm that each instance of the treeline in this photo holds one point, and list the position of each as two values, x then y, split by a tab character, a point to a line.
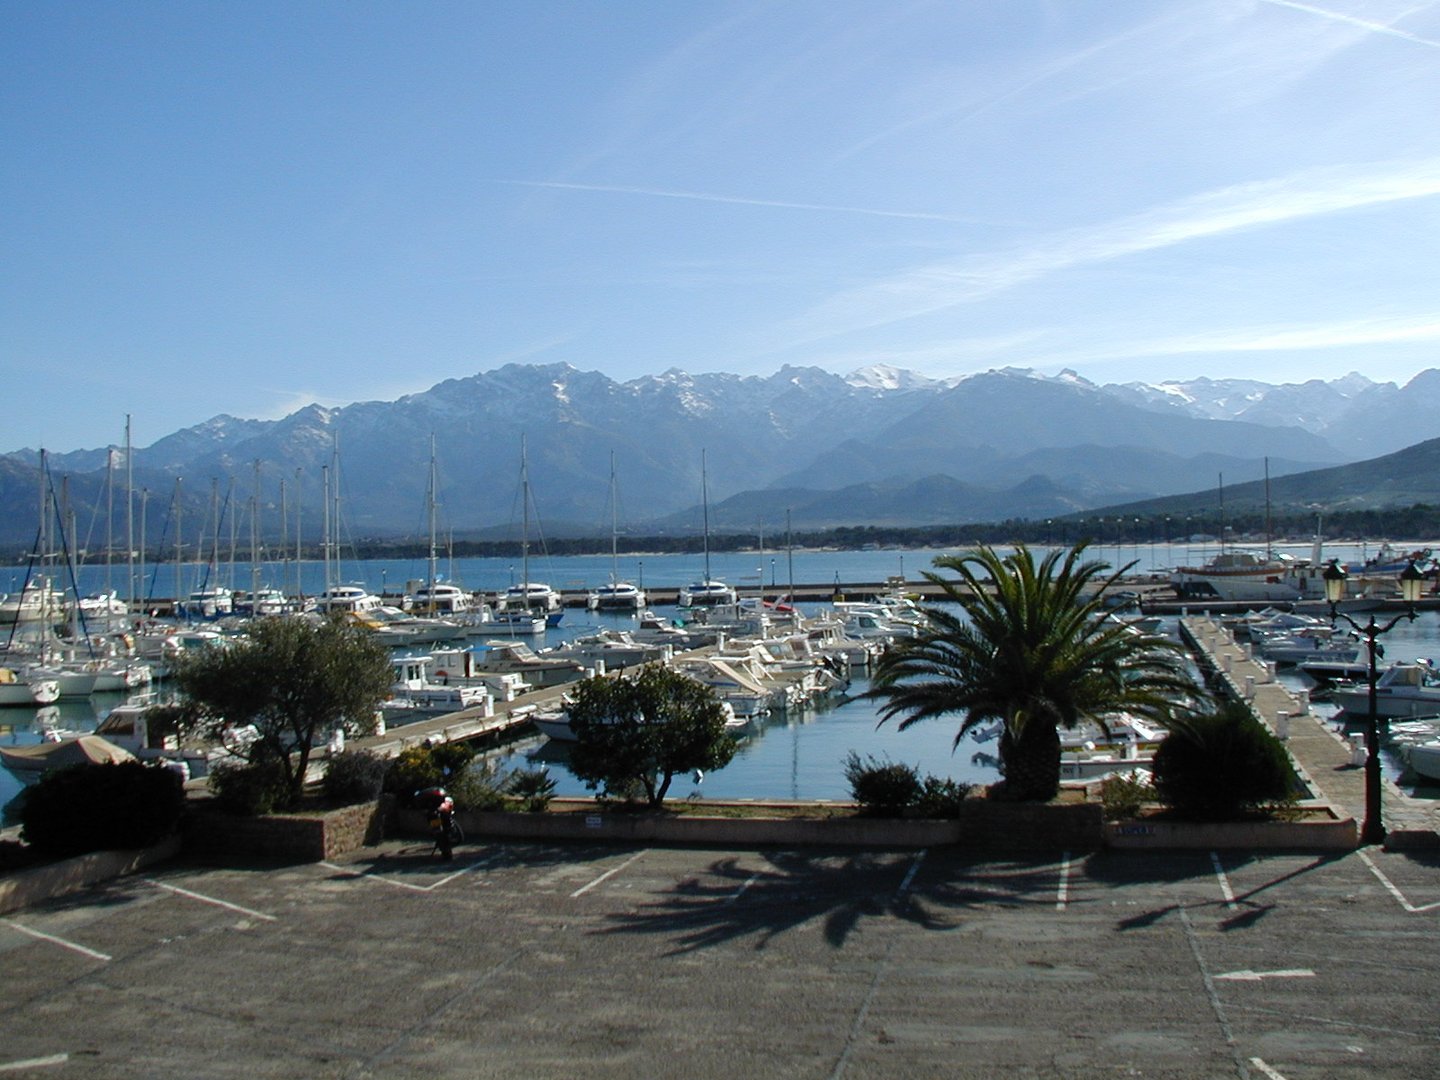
1418	522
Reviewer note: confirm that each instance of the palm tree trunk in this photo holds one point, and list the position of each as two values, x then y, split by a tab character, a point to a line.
1031	762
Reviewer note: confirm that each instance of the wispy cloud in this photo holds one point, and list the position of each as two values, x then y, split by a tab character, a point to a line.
738	200
1246	206
1310	338
1351	20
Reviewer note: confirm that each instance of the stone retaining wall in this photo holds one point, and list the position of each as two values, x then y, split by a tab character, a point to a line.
298	837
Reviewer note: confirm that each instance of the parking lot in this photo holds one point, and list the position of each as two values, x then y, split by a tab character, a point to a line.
526	960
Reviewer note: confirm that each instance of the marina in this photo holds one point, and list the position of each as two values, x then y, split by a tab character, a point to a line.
785	752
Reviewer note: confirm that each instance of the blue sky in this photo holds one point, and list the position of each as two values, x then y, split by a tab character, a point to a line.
243	208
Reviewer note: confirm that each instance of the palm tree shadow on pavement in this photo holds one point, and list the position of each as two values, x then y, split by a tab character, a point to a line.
732	902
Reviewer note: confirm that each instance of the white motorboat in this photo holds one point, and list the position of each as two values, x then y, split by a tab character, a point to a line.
518	658
517	622
36	602
441	598
346	598
1404	689
414	689
209	603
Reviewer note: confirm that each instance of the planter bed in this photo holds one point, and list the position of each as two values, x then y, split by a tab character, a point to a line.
1321	829
982	825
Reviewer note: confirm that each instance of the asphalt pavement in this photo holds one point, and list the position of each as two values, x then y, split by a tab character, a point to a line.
534	961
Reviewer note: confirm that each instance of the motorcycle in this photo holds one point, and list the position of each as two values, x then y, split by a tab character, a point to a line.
439	810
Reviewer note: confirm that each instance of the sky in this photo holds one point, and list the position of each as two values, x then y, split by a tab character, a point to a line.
212	207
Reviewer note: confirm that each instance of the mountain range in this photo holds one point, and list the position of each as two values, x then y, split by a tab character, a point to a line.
879	446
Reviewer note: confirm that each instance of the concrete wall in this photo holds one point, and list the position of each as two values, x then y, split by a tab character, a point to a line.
26	887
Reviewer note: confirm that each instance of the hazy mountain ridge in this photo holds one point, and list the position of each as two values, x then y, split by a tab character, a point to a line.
880	445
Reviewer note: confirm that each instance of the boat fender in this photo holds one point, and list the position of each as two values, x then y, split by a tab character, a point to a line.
442	674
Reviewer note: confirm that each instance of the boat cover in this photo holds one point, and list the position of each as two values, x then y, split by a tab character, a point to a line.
86	749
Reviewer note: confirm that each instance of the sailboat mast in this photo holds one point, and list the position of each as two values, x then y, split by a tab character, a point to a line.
179	550
325	540
524	523
129	517
705	511
614	527
1267	508
255	542
789	556
430	509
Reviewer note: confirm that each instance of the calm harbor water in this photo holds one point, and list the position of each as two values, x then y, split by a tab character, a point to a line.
795	756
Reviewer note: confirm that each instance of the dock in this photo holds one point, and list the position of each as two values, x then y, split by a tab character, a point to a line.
1331	764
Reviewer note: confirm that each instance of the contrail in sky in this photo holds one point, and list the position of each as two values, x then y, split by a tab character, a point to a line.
700	196
1363	24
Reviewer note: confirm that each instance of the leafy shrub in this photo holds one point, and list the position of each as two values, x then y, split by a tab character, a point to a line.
477	786
940	797
533	787
1123	794
249	789
420	767
881	786
1222	765
102	807
355	776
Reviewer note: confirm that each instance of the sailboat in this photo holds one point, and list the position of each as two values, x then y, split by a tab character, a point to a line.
618	595
1240	573
517	609
707	592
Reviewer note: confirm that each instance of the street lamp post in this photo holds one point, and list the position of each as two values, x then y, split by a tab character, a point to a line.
1372	830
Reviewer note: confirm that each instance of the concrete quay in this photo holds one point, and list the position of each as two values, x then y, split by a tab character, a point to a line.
1328	761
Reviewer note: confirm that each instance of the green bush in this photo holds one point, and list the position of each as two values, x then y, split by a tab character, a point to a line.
477	786
1222	765
1123	794
355	776
249	789
940	797
881	786
534	788
102	807
420	767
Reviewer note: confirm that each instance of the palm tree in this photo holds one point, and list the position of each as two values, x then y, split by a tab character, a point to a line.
1029	647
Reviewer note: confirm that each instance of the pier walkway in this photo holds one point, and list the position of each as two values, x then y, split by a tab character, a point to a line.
1329	762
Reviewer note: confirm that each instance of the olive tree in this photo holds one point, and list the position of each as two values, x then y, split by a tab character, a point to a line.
295	681
636	732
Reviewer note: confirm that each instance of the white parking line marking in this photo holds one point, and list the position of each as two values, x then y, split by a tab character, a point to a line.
910	874
1247	975
210	900
748	882
34	1063
41	935
608	874
1394	890
1062	894
405	884
1266	1069
1225	889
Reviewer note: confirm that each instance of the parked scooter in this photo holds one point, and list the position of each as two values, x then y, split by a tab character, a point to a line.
439	810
